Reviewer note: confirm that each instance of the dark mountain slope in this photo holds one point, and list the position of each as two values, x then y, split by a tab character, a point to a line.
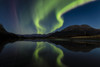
6	35
76	30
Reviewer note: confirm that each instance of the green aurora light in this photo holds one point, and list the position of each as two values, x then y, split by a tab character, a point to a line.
43	8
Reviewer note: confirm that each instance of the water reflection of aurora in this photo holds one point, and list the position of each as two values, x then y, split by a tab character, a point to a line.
49	48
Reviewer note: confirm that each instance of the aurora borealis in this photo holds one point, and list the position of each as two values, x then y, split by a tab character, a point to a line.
36	16
47	7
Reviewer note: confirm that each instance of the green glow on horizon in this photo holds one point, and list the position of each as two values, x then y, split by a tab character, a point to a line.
43	8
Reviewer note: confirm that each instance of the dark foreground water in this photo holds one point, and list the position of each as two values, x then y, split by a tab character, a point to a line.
48	54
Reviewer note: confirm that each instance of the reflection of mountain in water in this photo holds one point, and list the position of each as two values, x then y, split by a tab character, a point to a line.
84	47
34	53
3	42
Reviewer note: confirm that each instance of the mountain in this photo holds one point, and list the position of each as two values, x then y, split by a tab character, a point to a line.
76	30
6	35
71	31
2	30
78	27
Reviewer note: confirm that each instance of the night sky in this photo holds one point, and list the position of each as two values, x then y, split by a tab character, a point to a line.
17	16
86	14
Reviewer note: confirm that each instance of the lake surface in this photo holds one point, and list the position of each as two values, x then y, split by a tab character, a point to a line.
48	54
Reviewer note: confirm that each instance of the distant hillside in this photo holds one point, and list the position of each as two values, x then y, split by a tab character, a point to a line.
77	30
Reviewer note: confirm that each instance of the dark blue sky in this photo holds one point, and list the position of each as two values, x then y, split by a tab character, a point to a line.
86	14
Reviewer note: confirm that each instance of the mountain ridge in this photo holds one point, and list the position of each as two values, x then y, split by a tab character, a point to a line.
77	30
6	35
70	31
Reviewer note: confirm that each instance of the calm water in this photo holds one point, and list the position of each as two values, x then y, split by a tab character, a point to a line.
48	54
